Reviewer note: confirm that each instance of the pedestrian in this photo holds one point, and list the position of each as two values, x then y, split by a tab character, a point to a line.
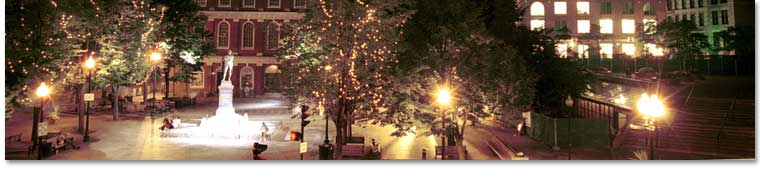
264	132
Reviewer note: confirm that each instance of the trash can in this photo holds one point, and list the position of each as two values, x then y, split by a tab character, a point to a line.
325	152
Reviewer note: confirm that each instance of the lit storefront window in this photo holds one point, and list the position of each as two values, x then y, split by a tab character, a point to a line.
629	49
582	51
584	26
605	50
583	8
562	50
629	26
536	24
605	26
537	9
560	7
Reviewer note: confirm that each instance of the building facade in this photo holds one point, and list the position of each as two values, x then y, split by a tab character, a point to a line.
252	30
598	28
713	16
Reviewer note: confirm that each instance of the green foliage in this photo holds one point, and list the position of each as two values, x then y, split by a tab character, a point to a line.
740	39
187	41
682	39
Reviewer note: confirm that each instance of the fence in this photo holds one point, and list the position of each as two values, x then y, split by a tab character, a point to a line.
709	65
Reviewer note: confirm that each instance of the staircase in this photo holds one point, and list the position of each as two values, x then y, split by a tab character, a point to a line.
706	127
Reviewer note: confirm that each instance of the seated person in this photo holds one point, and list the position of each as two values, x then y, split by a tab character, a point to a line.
167	124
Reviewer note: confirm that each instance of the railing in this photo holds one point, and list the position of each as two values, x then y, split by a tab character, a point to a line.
723	121
596	109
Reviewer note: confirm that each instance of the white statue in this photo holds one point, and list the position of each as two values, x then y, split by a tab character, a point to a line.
228	63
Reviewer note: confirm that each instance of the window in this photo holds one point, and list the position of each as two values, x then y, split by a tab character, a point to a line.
675	4
652	49
628	8
273	4
713	1
248	35
716	40
677	19
683	18
649	25
670	4
582	51
691	4
683	4
701	3
560	24
670	18
701	19
584	26
537	9
201	3
693	19
299	4
223	35
714	17
723	1
648	9
197	81
225	3
724	16
605	7
562	50
583	8
249	3
606	26
605	50
273	36
560	7
628	49
536	24
629	26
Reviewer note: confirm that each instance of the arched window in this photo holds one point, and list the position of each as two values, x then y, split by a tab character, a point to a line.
273	35
223	35
248	35
537	9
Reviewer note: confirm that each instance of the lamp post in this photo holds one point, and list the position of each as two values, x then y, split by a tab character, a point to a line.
652	108
43	92
89	66
569	104
443	99
155	57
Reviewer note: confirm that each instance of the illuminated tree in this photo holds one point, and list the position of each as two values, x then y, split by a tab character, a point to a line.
338	58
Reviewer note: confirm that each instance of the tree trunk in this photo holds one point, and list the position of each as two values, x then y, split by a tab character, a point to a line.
80	107
145	92
115	101
166	81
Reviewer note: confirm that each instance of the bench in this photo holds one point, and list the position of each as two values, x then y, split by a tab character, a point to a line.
51	142
353	151
13	138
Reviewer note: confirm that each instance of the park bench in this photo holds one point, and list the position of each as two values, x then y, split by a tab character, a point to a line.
50	142
354	149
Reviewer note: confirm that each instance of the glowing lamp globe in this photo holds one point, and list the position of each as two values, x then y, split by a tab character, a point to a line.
444	96
155	56
43	90
90	63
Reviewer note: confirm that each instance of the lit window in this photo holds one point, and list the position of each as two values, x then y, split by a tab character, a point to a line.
560	7
225	3
197	81
629	26
273	4
584	26
629	49
583	8
605	50
248	35
605	26
649	25
537	9
223	35
653	50
536	24
582	51
273	36
562	50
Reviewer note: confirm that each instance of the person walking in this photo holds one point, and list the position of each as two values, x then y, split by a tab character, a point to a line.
264	132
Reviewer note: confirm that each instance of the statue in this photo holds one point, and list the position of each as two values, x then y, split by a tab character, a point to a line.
228	63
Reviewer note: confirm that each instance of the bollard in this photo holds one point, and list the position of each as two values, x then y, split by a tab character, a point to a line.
424	154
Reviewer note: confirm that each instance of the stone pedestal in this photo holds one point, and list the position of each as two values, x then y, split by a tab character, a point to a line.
225	98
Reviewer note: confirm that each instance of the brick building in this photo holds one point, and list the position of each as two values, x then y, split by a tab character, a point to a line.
252	29
609	26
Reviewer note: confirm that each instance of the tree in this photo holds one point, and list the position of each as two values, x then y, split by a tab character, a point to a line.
682	39
185	39
39	48
740	42
337	59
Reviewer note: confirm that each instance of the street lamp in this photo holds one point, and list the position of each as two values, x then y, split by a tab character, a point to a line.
155	58
89	66
443	97
652	108
43	92
569	104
